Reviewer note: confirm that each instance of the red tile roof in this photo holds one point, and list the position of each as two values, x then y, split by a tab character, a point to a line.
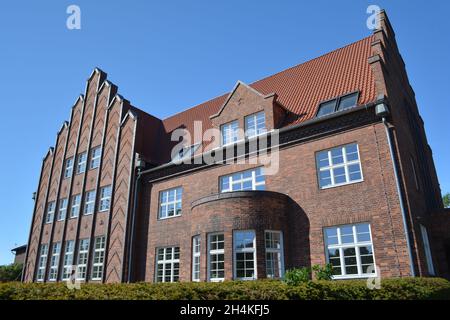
301	88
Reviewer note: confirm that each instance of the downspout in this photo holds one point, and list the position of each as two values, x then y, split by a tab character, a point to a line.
133	218
400	196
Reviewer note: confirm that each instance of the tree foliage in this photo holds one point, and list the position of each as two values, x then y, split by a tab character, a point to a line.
10	272
446	200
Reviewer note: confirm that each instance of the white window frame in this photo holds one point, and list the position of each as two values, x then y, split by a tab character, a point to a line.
99	258
75	206
62	210
346	164
355	244
51	207
164	262
82	259
169	203
279	252
215	252
427	248
242	180
68	170
54	262
229	130
88	202
95	159
69	251
43	254
244	250
105	199
196	255
257	131
81	162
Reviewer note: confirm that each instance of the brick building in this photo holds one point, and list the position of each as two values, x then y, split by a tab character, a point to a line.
350	180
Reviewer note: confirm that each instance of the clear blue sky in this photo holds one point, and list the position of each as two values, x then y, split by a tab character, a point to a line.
171	55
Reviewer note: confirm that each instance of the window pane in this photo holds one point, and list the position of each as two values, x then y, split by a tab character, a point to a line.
339	175
348	101
322	159
336	156
326	108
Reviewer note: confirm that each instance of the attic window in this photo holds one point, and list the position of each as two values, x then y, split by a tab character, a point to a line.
338	104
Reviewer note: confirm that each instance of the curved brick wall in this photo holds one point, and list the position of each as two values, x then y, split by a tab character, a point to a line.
243	210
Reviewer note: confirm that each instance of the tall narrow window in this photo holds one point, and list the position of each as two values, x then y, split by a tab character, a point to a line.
274	254
50	212
196	258
339	166
75	208
81	162
230	132
95	157
62	209
83	253
247	180
68	259
105	198
255	124
42	262
89	202
170	203
349	250
99	258
216	257
68	169
245	255
54	261
167	264
426	245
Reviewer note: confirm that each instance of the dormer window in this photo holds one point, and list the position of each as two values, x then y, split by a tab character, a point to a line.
255	124
338	104
230	132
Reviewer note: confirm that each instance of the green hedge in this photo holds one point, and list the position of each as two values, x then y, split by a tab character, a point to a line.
398	289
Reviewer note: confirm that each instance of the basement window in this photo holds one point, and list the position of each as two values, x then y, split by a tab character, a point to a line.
338	104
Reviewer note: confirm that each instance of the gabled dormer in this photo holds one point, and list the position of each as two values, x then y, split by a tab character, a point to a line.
248	110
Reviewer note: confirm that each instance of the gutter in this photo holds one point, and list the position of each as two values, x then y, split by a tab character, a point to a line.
400	196
133	219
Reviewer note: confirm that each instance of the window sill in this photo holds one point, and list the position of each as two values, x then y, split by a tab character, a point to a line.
341	184
101	211
349	277
165	218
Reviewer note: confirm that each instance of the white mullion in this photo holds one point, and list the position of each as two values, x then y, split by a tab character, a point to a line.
344	155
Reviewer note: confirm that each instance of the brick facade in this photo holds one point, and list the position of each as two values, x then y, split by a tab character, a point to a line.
135	163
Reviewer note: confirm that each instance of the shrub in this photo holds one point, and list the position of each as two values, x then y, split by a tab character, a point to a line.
396	289
323	273
296	276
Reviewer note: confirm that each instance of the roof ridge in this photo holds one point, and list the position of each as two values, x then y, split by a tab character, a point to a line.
270	76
